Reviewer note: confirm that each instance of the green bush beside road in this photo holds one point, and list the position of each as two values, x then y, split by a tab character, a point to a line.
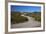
17	18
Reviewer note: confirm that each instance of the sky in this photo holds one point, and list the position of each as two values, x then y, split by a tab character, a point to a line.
25	8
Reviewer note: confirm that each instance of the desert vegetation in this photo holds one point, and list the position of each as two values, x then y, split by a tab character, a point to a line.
35	15
17	18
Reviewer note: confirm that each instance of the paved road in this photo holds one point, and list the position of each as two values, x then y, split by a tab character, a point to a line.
28	24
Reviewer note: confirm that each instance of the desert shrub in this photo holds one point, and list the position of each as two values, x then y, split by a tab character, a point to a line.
33	15
21	19
38	18
17	18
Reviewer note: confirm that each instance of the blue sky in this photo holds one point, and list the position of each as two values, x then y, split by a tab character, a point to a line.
25	8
